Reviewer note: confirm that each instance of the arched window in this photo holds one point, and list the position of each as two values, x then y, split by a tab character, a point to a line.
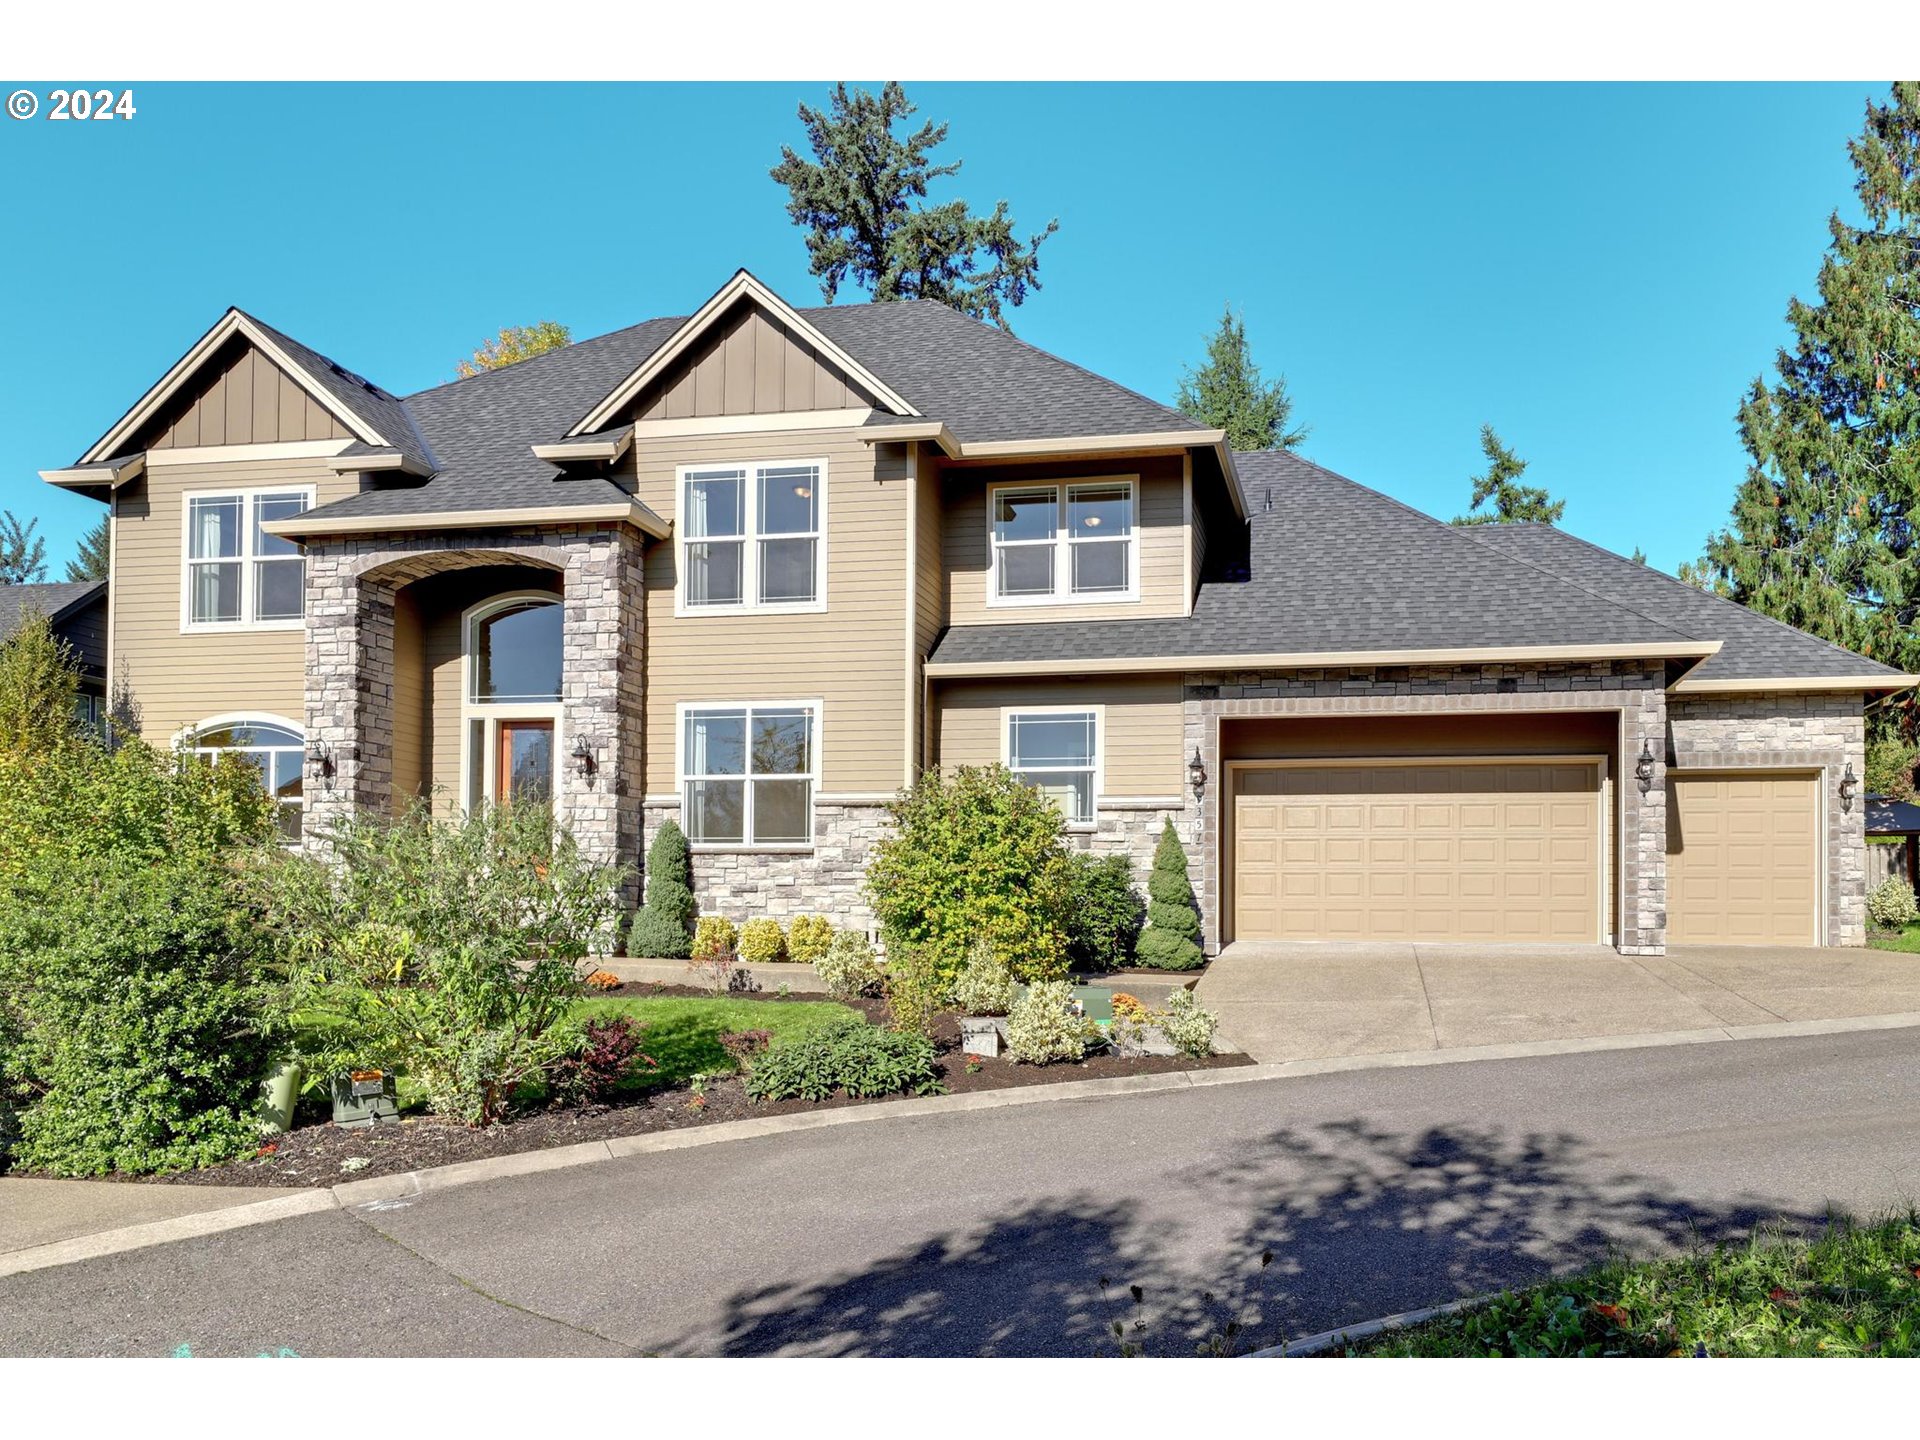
514	646
511	704
274	747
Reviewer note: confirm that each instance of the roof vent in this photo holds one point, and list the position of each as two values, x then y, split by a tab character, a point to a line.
1269	504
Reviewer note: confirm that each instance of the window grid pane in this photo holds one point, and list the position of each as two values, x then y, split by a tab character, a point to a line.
277	755
767	552
236	571
1056	754
768	753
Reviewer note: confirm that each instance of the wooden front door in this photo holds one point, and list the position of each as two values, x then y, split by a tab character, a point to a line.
524	762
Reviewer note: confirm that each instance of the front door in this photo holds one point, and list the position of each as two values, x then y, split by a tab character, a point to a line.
524	762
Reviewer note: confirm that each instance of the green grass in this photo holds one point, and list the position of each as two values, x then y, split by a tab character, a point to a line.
683	1031
1849	1290
1906	940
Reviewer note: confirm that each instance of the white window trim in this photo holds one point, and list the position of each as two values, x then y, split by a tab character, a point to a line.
816	706
751	538
1063	545
246	558
494	711
184	739
1099	713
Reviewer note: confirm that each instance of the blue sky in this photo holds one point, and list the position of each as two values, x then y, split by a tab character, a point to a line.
1596	270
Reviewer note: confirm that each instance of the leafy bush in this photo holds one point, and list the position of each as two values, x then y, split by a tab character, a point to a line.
663	926
1890	766
608	1052
1173	925
849	967
808	938
450	951
715	937
1042	1027
977	855
985	986
762	942
851	1056
1891	905
915	990
1105	914
1188	1024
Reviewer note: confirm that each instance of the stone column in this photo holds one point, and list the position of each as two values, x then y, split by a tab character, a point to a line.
1643	861
603	699
349	689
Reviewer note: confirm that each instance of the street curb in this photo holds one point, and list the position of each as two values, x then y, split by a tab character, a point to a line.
162	1232
1327	1339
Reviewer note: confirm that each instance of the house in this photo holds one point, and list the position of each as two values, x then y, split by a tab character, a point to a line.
755	567
77	611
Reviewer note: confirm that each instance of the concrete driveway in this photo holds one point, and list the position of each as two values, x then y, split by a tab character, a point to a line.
1283	1002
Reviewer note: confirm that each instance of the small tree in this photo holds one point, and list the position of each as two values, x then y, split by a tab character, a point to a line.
515	343
1170	940
1228	393
90	563
38	683
1512	501
663	930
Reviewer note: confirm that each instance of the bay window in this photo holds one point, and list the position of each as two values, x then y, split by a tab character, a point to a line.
1063	543
237	575
751	538
747	773
1057	751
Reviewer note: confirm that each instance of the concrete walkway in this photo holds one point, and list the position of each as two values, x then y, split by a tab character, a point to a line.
43	1212
1282	1002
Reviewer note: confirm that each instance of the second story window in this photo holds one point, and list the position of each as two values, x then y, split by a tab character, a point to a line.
1055	544
237	575
750	537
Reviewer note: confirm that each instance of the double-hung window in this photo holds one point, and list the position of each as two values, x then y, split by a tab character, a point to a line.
750	536
1057	751
236	573
747	773
1063	543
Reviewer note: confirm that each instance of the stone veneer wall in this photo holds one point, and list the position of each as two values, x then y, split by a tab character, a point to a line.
1782	731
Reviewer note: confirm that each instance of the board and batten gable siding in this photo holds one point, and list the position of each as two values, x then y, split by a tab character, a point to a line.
242	398
749	364
1140	741
179	679
851	656
1160	530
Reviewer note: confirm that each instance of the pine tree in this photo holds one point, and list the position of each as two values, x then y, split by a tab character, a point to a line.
1512	501
663	930
1227	393
515	343
91	564
1173	924
860	201
23	555
1822	528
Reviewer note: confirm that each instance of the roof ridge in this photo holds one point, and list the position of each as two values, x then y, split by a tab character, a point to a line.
571	345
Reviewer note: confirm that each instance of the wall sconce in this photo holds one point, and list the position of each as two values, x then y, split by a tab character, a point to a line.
1849	787
320	763
1197	773
582	755
1643	768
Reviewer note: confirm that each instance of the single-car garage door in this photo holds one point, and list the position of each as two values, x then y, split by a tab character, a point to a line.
1441	850
1743	859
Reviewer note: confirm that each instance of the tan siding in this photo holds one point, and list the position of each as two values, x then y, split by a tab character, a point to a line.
852	656
749	365
180	679
1142	737
240	398
410	762
1161	531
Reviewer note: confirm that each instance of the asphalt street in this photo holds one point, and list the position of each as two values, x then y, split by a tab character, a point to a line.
990	1233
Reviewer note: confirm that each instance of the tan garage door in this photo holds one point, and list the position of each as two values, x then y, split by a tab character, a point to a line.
1507	851
1742	859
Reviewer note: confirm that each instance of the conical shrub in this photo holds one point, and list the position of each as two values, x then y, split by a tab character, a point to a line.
1173	924
663	929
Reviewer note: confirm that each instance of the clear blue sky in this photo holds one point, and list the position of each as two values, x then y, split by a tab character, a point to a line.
1597	270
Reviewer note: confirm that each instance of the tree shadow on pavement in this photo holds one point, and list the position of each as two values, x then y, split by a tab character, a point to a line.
1359	1222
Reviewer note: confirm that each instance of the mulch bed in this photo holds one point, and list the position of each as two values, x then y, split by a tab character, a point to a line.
319	1153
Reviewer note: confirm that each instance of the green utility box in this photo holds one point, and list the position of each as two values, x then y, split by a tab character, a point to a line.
365	1097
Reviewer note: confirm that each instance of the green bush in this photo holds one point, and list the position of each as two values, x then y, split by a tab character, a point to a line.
1890	766
1042	1027
450	951
849	967
977	855
851	1056
1188	1024
714	938
1891	905
1105	914
985	986
808	938
915	990
762	942
663	927
1170	941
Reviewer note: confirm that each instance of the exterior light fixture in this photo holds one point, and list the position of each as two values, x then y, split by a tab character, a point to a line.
1848	788
320	762
1643	768
582	754
1197	773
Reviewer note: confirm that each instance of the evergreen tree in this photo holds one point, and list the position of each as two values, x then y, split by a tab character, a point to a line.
1822	528
515	343
1501	484
858	200
1227	393
663	929
1173	924
23	555
1639	556
91	563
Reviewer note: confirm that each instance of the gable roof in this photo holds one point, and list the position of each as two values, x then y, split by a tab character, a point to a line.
56	602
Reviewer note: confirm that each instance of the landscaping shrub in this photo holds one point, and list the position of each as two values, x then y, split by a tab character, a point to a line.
849	967
974	855
915	990
1104	914
1170	941
608	1052
1891	905
1890	766
1042	1028
762	942
1188	1024
808	938
985	986
851	1056
663	927
715	937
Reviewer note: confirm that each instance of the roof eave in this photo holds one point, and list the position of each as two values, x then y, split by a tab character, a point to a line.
1304	660
606	449
316	523
99	479
385	460
1890	682
1042	447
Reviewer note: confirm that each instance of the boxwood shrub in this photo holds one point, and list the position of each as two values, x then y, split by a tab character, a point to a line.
848	1056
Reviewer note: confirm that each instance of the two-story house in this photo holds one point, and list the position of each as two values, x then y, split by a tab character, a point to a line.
756	567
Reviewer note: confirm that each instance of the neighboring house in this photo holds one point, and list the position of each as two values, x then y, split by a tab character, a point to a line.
77	611
756	567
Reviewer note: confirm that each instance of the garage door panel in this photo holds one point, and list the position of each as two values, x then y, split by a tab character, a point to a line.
1743	859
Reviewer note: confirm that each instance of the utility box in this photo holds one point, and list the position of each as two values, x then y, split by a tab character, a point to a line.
365	1097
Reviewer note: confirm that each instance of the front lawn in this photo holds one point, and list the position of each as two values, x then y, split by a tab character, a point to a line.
1906	939
1851	1290
683	1031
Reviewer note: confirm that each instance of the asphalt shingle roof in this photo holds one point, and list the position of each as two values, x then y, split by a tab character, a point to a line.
385	413
52	601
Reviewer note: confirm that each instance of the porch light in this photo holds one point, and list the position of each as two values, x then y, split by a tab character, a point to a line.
1849	787
1197	773
320	761
582	754
1643	768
